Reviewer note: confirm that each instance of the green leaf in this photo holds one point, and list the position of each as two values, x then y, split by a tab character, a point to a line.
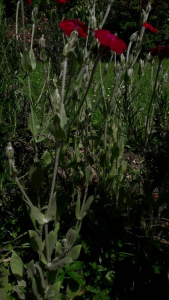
86	207
31	270
60	264
57	126
92	290
35	241
33	123
20	291
72	289
74	252
37	289
58	249
17	266
77	277
3	283
36	175
46	159
43	134
42	280
53	209
43	56
51	242
26	62
71	237
39	217
78	207
32	59
53	291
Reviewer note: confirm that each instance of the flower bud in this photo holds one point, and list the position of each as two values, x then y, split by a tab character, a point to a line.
148	8
92	22
42	42
165	77
141	67
34	14
9	151
117	68
134	37
144	16
71	45
122	57
148	57
130	72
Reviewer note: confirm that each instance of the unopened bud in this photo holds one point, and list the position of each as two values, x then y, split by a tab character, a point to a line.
148	8
42	42
117	68
122	57
144	16
165	77
71	45
134	37
130	72
9	151
64	243
141	67
148	57
92	22
34	14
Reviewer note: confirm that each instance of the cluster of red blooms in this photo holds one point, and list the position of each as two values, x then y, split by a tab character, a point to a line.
105	37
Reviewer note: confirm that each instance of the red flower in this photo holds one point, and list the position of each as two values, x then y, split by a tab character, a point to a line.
161	51
153	29
69	26
29	2
107	39
61	1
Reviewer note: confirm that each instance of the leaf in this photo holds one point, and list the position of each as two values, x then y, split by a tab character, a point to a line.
53	209
46	159
43	284
37	289
26	62
58	249
3	283
74	252
77	277
71	237
86	207
53	291
78	207
72	289
31	270
60	264
32	59
57	126
20	291
38	215
35	241
43	134
92	290
17	266
33	123
51	242
36	175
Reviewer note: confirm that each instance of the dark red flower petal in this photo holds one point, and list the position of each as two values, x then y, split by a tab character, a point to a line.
161	51
68	26
107	39
61	1
29	2
147	25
